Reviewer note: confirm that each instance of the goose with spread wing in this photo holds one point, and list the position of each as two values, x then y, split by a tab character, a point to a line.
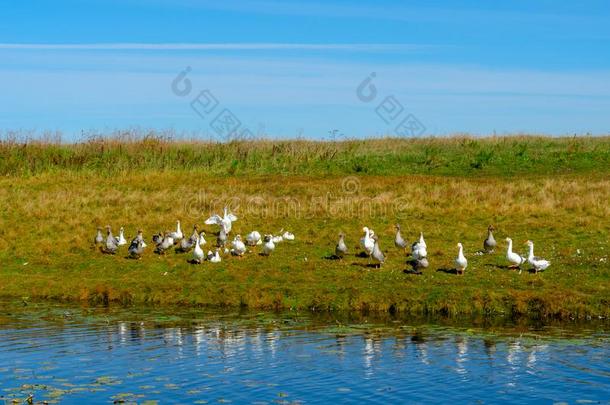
227	219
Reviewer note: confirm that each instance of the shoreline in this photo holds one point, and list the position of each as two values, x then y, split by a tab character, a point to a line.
342	318
454	304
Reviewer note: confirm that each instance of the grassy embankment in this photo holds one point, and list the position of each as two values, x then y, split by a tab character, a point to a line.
553	191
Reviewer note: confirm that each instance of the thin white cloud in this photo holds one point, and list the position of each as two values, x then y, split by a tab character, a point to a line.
218	46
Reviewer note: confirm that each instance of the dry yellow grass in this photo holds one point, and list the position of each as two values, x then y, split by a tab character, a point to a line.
48	222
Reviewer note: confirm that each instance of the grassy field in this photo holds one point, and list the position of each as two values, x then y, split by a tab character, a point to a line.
555	191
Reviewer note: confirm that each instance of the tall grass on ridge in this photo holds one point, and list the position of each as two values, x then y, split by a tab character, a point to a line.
455	156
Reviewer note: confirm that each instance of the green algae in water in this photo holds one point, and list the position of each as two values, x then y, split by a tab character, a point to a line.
107	380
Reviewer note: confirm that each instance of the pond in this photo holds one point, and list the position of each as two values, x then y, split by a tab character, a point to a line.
60	354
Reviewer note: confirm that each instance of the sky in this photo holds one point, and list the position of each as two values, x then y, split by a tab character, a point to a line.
314	69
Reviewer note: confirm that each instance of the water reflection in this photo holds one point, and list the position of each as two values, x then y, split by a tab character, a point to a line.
461	344
101	355
421	348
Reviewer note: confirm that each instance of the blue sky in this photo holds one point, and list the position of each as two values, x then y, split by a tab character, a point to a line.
291	68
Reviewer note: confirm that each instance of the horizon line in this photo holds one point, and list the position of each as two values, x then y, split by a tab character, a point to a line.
215	46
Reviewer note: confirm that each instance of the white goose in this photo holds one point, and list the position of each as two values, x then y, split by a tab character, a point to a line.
177	235
419	250
341	248
515	259
460	261
268	245
367	242
221	240
111	245
120	240
226	219
99	238
238	248
399	241
202	240
537	263
198	252
253	238
216	257
165	244
422	242
377	253
288	235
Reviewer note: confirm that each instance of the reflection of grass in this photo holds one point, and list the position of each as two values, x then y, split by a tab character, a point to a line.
49	218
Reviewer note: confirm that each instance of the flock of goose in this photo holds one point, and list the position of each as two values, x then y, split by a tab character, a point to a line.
165	241
369	242
419	251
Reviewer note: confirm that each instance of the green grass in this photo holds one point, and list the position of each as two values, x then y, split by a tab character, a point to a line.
456	156
553	191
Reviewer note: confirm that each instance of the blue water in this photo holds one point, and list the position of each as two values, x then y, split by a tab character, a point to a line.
99	355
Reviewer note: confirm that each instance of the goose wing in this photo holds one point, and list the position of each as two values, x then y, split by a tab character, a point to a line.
214	220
